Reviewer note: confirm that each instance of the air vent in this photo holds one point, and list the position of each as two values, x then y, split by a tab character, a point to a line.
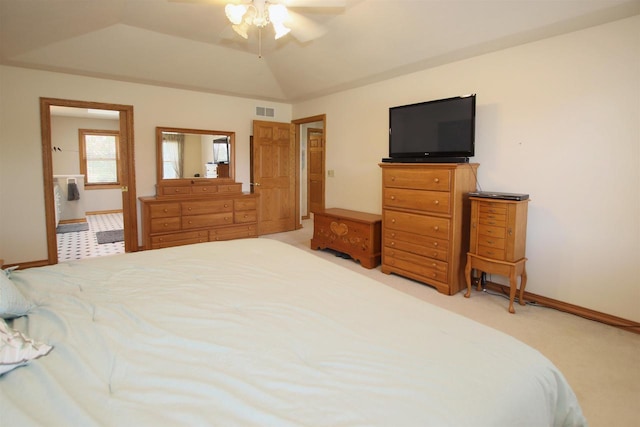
265	112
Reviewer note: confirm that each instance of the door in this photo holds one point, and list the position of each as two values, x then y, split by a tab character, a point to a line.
126	172
315	179
273	176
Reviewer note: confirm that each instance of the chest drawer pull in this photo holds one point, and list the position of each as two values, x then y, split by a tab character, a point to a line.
436	180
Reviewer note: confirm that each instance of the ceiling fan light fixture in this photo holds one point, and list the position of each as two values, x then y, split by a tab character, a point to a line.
281	30
278	14
241	30
235	12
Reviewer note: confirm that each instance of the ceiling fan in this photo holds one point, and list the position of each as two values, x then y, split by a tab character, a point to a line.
242	14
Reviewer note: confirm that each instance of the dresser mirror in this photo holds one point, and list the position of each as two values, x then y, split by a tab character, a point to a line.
194	154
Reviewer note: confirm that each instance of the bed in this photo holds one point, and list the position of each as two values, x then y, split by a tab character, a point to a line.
258	332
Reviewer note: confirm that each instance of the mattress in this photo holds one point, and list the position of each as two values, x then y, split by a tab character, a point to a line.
257	332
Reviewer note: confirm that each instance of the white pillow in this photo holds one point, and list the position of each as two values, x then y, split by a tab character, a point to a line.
12	302
16	349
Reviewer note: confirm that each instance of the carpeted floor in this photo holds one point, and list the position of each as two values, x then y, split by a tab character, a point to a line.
602	363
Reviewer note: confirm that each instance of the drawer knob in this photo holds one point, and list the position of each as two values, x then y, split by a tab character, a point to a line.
436	180
435	254
435	244
437	202
393	221
204	188
393	243
393	197
165	210
393	234
189	209
166	225
189	221
177	190
393	178
226	205
436	228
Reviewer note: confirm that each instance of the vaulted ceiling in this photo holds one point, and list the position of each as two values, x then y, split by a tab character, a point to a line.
189	44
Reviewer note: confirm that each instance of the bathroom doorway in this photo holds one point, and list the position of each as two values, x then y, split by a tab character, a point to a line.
89	196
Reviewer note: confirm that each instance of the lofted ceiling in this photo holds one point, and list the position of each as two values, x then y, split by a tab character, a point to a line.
189	43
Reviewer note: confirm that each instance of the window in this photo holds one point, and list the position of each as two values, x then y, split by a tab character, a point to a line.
99	158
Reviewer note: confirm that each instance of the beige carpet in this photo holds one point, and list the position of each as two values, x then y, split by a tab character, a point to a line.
602	363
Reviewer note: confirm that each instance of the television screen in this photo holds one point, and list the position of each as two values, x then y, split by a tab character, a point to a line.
444	128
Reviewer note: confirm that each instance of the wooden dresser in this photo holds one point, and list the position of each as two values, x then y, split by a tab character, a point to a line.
425	221
497	242
198	212
354	233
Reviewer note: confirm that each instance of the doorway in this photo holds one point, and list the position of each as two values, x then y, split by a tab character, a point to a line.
310	133
123	186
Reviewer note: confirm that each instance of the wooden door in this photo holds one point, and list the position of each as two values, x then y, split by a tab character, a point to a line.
273	176
315	179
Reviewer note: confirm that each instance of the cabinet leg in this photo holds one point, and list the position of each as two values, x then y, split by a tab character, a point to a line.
523	284
513	284
467	276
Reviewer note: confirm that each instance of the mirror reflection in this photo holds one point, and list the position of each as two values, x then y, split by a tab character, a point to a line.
193	153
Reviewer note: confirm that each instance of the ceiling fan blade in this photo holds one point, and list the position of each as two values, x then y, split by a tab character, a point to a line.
303	28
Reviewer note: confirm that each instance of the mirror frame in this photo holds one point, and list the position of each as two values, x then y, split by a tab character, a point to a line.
159	167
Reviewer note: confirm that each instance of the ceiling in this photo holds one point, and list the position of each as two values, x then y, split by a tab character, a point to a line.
189	44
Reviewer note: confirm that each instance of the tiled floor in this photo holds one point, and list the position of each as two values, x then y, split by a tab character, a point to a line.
83	244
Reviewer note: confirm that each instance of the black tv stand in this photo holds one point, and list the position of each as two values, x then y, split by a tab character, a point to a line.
425	160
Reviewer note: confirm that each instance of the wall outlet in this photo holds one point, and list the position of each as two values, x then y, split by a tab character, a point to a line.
331	173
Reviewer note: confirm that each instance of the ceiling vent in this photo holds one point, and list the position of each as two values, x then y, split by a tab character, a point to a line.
265	112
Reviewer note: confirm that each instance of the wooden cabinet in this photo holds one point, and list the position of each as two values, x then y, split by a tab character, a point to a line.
425	221
198	213
497	242
354	233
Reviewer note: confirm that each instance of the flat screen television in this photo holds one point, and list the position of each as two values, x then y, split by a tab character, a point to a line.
434	131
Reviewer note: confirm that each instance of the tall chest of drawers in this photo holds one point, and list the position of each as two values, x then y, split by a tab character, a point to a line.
425	221
194	216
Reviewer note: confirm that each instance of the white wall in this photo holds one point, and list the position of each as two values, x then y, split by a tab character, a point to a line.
22	217
559	119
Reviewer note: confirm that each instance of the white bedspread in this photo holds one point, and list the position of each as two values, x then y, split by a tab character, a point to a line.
256	332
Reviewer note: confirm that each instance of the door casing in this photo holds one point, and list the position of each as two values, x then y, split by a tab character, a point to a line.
127	178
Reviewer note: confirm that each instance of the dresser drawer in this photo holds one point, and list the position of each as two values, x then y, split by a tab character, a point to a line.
236	232
495	220
230	188
488	230
426	267
437	180
490	252
492	242
163	210
160	225
245	216
207	207
245	204
414	243
204	189
182	190
419	224
492	208
207	220
166	240
422	200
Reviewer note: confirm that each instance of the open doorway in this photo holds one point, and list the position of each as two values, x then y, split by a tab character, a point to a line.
88	178
310	142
